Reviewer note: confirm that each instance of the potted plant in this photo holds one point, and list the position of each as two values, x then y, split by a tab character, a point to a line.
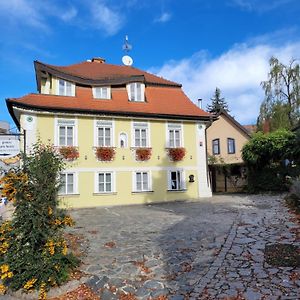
105	153
143	154
176	154
69	152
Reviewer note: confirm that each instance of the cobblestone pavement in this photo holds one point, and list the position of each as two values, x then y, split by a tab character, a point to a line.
209	249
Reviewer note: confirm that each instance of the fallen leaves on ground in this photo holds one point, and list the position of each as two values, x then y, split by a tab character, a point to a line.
81	293
110	244
129	296
75	241
142	266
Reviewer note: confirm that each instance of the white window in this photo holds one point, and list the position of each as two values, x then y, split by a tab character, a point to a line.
105	182
65	88
176	180
101	92
174	135
66	132
140	134
67	183
104	134
142	181
136	91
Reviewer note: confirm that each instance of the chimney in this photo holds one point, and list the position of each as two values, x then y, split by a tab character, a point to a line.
98	60
200	103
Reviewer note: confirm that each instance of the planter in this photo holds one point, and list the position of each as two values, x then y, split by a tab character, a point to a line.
105	153
176	154
143	154
69	152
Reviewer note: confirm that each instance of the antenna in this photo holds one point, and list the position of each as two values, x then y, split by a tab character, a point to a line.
126	47
126	59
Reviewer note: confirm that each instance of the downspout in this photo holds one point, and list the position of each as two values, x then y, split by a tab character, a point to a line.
208	174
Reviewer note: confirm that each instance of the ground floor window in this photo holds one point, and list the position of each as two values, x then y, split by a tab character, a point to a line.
104	182
141	181
176	180
67	183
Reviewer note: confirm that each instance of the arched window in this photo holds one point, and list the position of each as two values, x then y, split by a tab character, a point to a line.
123	140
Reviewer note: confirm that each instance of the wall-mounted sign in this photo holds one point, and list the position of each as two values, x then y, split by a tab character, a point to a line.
9	148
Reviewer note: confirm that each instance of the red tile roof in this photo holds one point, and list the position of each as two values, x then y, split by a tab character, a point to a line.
95	71
161	102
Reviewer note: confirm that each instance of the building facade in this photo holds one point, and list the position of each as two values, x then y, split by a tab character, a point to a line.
225	140
128	136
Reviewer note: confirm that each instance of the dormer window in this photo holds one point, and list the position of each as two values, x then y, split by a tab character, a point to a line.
65	88
136	92
101	92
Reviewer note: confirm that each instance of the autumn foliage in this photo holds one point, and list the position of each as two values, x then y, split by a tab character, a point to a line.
105	153
34	255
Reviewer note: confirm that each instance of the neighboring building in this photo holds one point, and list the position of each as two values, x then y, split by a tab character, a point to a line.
4	127
123	122
225	140
251	129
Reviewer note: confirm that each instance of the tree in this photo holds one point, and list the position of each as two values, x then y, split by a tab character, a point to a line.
217	103
281	105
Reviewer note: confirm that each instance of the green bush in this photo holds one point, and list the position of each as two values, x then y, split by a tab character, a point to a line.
33	252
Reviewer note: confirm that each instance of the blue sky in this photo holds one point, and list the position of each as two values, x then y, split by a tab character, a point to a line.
199	43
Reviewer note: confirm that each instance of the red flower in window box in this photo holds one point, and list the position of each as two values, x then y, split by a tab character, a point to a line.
143	154
176	154
105	153
69	152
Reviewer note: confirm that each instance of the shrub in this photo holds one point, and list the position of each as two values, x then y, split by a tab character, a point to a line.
33	252
293	197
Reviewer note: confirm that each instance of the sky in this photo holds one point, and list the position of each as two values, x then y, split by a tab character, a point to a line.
202	44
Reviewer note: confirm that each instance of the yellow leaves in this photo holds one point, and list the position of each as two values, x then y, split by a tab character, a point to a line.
29	284
2	289
5	273
51	245
67	221
42	293
4	247
50	211
64	247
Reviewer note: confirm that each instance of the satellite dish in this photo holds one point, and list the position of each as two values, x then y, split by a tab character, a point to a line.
127	60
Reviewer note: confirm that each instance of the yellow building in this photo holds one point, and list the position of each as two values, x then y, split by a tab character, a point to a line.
128	136
225	140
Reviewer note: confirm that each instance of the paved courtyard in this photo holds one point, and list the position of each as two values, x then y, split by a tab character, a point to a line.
210	249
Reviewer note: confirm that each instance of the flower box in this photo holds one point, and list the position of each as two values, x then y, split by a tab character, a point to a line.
105	153
143	154
176	154
69	152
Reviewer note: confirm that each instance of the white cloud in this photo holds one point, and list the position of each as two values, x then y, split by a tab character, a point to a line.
105	18
238	73
163	18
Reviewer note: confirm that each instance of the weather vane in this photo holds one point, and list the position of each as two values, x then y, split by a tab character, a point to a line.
126	59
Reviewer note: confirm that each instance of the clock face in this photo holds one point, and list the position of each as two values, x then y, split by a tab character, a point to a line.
127	60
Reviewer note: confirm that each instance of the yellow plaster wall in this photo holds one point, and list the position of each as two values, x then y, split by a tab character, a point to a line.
124	163
223	129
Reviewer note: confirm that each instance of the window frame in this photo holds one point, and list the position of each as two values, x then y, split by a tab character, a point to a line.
112	182
94	89
132	91
65	91
181	182
213	147
173	127
74	184
135	182
228	145
64	122
109	123
140	125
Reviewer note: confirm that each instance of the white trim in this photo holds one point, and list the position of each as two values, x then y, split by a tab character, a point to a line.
137	127
65	87
177	126
112	135
75	183
96	181
119	140
101	87
128	88
134	189
182	182
56	130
